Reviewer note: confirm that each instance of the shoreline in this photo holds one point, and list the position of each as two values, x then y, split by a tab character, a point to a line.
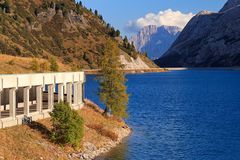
104	155
129	71
202	68
91	152
89	149
159	70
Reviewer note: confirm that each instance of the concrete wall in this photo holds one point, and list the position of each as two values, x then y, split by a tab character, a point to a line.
21	89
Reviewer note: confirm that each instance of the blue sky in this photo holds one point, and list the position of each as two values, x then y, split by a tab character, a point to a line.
119	12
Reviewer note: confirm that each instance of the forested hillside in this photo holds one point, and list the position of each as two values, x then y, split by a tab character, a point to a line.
58	30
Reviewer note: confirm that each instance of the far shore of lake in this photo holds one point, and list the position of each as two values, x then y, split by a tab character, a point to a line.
201	68
156	70
129	71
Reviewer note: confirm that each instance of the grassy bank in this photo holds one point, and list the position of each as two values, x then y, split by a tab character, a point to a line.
33	142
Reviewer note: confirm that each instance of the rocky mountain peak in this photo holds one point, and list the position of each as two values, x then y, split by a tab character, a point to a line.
171	29
204	13
230	4
155	40
148	30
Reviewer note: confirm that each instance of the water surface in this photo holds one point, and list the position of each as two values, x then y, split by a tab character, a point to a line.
180	115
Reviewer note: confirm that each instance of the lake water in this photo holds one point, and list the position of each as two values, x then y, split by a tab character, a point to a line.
180	115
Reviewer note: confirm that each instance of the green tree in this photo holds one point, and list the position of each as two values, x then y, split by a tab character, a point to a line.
52	5
112	32
68	126
53	65
29	19
6	7
36	12
118	33
125	42
80	3
112	89
96	13
133	47
101	17
108	26
78	9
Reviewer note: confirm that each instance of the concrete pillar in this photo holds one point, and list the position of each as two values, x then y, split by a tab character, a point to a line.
4	100
50	97
0	104
65	89
26	100
75	94
60	93
80	93
69	93
12	102
39	91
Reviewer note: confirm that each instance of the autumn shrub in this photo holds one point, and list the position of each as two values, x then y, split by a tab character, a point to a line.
44	66
34	65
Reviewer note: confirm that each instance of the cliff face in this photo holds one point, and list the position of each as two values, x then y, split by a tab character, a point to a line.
70	32
209	40
155	40
229	5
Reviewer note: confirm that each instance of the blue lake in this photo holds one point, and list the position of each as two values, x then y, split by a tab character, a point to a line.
180	115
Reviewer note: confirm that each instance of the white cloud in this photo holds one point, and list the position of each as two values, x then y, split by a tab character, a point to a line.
167	17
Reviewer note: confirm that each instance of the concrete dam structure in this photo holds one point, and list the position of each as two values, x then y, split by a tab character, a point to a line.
32	96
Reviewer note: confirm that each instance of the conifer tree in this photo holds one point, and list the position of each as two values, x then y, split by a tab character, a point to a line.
112	88
118	33
96	12
125	42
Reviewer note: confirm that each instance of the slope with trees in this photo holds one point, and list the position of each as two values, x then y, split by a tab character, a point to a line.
62	29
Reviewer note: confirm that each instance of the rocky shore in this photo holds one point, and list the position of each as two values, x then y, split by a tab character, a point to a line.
90	150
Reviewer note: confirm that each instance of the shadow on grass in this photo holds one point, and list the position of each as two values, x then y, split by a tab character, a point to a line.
40	128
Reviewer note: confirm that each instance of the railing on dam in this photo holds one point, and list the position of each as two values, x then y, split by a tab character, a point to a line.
34	95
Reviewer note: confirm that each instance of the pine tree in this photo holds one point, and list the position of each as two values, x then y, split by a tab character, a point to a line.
133	47
108	26
125	42
118	33
112	88
96	13
80	3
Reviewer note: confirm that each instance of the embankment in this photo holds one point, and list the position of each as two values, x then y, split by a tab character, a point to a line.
33	141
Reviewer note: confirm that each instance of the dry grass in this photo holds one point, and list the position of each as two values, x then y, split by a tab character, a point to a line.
104	132
12	65
32	142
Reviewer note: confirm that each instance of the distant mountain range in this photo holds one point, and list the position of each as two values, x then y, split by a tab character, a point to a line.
208	40
155	40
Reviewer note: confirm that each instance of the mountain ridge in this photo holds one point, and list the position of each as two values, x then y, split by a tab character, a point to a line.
208	40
